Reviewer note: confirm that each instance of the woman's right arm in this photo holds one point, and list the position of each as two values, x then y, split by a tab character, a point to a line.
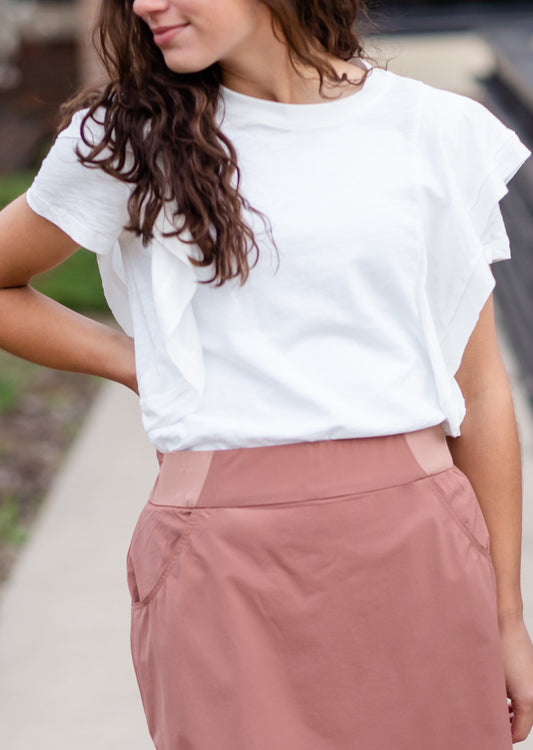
37	328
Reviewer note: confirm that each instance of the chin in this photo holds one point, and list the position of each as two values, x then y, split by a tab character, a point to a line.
180	63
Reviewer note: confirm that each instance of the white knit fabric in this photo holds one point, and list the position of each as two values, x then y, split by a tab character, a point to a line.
384	206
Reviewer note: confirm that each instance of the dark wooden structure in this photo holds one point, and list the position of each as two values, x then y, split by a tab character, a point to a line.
509	94
28	113
411	16
47	63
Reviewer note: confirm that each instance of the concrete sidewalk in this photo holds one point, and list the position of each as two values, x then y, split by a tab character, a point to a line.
66	678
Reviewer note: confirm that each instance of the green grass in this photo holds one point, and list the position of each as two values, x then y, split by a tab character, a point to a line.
11	529
16	376
10	392
13	185
76	282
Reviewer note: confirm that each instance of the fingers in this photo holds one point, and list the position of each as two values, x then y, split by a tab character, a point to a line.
521	717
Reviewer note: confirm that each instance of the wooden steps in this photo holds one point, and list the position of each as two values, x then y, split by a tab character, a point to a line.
509	94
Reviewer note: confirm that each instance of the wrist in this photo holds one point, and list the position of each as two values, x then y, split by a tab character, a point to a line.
510	612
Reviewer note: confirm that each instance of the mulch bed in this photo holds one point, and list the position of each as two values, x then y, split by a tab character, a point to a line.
34	438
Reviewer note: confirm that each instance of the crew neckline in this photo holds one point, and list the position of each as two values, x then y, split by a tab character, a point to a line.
252	109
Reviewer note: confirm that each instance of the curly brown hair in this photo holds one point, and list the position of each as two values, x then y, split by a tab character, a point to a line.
155	119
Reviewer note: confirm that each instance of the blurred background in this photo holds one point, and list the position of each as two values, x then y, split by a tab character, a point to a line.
483	50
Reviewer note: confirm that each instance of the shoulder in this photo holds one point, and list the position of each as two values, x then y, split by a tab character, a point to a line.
441	114
71	178
451	104
460	123
82	122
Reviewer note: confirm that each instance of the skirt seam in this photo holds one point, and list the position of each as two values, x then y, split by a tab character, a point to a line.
327	498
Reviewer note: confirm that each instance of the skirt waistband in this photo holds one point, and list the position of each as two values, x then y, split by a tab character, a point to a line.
295	472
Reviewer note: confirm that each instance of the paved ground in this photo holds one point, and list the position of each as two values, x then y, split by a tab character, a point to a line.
66	679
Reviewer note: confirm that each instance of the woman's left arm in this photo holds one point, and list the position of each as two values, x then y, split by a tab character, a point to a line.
488	452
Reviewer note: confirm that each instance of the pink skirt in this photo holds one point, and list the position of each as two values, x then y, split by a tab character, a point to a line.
327	595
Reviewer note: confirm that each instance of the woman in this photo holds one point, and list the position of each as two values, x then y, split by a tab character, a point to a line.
330	555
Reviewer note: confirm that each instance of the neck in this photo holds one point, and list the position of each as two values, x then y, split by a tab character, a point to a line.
261	67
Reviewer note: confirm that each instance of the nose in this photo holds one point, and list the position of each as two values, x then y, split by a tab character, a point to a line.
145	8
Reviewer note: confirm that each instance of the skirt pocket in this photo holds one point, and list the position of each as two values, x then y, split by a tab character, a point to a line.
161	532
457	495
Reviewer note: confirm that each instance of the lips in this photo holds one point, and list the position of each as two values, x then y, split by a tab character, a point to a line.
163	34
162	29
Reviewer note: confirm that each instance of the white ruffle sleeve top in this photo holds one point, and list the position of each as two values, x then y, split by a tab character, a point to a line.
385	210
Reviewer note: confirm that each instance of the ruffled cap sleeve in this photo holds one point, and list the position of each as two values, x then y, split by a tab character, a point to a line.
88	205
467	158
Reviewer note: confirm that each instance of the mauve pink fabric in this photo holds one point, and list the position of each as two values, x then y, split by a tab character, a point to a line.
336	595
